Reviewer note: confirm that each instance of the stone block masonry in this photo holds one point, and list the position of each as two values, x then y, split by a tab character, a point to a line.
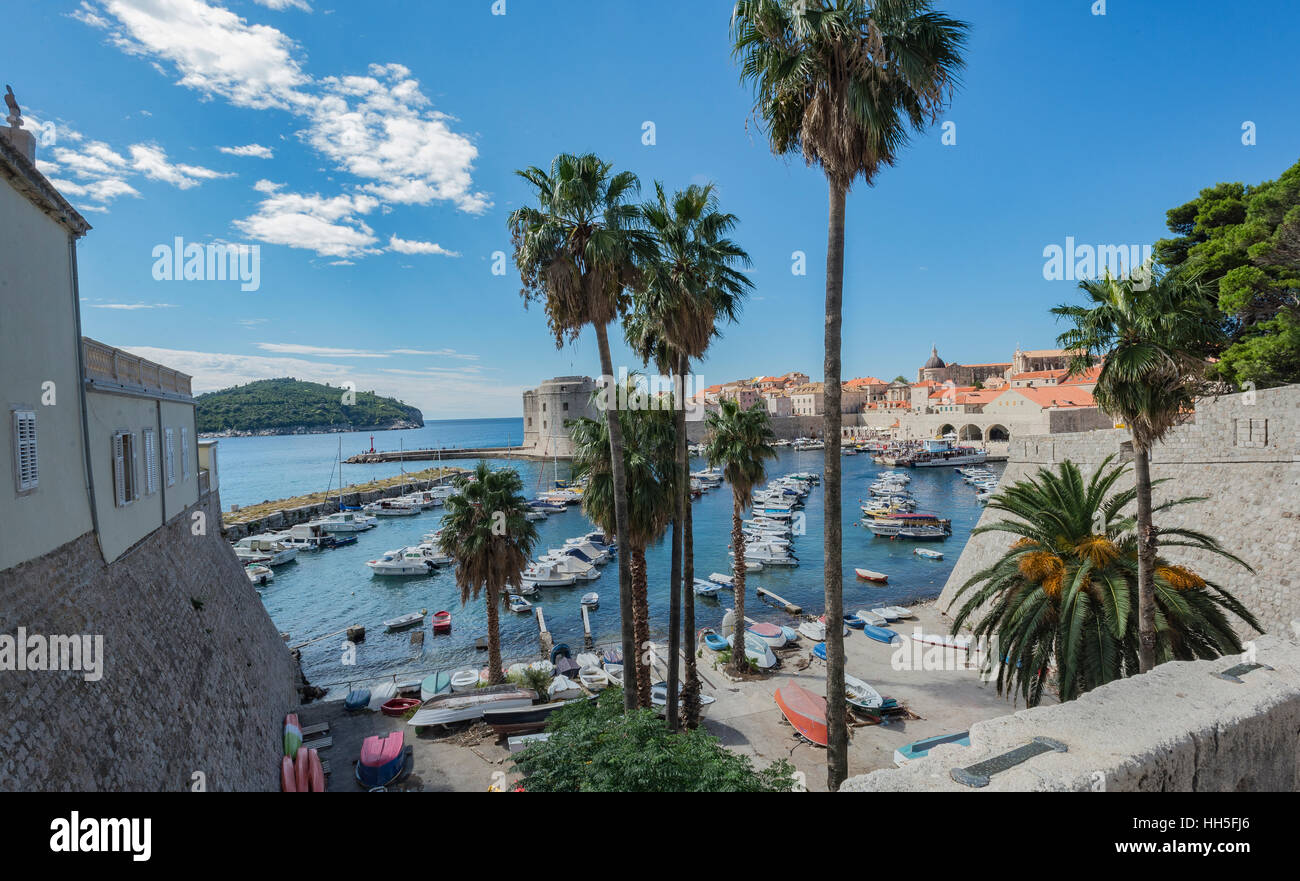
196	679
1240	452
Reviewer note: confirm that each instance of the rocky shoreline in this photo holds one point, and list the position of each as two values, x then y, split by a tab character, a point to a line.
309	429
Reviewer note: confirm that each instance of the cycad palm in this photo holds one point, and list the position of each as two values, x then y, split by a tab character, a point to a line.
1153	333
577	252
485	529
693	281
648	448
739	441
843	82
1065	591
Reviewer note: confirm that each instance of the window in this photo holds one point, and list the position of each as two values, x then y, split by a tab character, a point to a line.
25	461
170	440
126	469
543	406
566	405
185	453
150	461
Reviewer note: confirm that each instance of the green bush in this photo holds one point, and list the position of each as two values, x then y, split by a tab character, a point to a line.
595	747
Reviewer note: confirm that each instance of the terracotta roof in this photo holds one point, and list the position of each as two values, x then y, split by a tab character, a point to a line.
1070	396
1088	376
990	364
1039	374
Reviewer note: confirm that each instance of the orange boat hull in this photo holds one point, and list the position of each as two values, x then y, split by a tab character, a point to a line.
804	710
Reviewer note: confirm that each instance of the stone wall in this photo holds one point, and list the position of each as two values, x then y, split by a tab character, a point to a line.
195	677
1179	728
1240	451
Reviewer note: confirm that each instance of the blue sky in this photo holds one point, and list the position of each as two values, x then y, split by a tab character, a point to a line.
370	150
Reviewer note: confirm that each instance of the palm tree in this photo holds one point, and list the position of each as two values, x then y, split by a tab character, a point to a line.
1153	337
739	441
648	447
577	252
485	529
843	82
1064	591
691	282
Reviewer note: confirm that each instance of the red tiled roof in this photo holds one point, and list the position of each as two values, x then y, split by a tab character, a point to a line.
1070	396
1039	374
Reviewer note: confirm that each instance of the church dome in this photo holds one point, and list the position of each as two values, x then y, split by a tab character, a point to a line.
935	361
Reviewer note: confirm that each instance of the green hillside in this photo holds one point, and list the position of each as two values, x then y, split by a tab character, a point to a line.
285	405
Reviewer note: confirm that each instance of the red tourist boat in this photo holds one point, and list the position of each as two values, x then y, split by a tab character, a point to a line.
442	622
399	706
805	710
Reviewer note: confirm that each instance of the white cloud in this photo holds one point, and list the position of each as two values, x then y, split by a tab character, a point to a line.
328	225
256	151
297	349
132	306
405	246
278	5
441	353
98	172
152	162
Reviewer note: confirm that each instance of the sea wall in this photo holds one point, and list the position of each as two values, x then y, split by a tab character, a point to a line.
1179	728
1240	453
195	678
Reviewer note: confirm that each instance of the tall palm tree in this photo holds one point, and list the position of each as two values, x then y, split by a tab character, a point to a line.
694	280
1153	338
485	529
843	82
1063	592
577	252
648	447
739	441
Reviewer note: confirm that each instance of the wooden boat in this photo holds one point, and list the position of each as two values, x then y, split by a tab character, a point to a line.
921	748
288	779
357	699
403	621
443	709
435	683
861	695
769	633
593	678
713	640
871	617
399	706
315	772
382	760
442	621
928	553
804	710
880	634
292	735
814	630
464	680
871	575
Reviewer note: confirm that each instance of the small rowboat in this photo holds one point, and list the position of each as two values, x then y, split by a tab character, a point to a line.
300	762
861	695
562	688
886	612
288	779
615	673
880	634
442	621
357	699
713	640
901	611
871	617
382	760
870	575
590	600
593	678
819	651
403	621
315	772
921	748
854	621
464	680
804	710
814	630
769	633
928	554
435	683
821	619
706	588
398	706
790	634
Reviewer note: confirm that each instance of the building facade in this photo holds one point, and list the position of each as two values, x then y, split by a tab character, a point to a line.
549	407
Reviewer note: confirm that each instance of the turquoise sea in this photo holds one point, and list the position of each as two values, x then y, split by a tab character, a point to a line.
325	592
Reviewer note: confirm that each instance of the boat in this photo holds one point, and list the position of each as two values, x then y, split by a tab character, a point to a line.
922	533
519	604
288	777
659	698
258	574
804	710
391	508
822	621
593	678
921	748
855	622
562	688
464	680
435	683
403	621
814	630
346	521
292	735
265	548
587	659
382	760
590	600
757	650
547	575
315	772
612	656
357	699
928	554
514	720
398	706
871	575
567	667
769	633
404	561
442	621
615	674
871	617
790	634
885	612
706	588
880	634
861	695
561	650
444	709
521	742
714	640
901	611
819	651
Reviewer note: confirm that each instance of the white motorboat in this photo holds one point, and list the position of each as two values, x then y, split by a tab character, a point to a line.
706	588
769	554
264	548
391	508
519	604
593	678
346	521
434	554
566	564
546	575
258	574
590	600
404	561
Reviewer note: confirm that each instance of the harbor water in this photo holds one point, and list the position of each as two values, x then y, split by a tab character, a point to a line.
324	592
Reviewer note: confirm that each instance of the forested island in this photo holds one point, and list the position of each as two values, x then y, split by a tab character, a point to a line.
292	406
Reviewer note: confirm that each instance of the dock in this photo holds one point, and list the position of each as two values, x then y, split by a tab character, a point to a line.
790	607
433	455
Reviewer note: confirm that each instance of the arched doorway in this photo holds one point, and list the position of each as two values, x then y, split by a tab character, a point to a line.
946	429
998	433
970	433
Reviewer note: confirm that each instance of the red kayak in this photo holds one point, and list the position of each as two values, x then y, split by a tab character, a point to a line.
300	772
442	622
315	771
399	705
288	781
805	710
